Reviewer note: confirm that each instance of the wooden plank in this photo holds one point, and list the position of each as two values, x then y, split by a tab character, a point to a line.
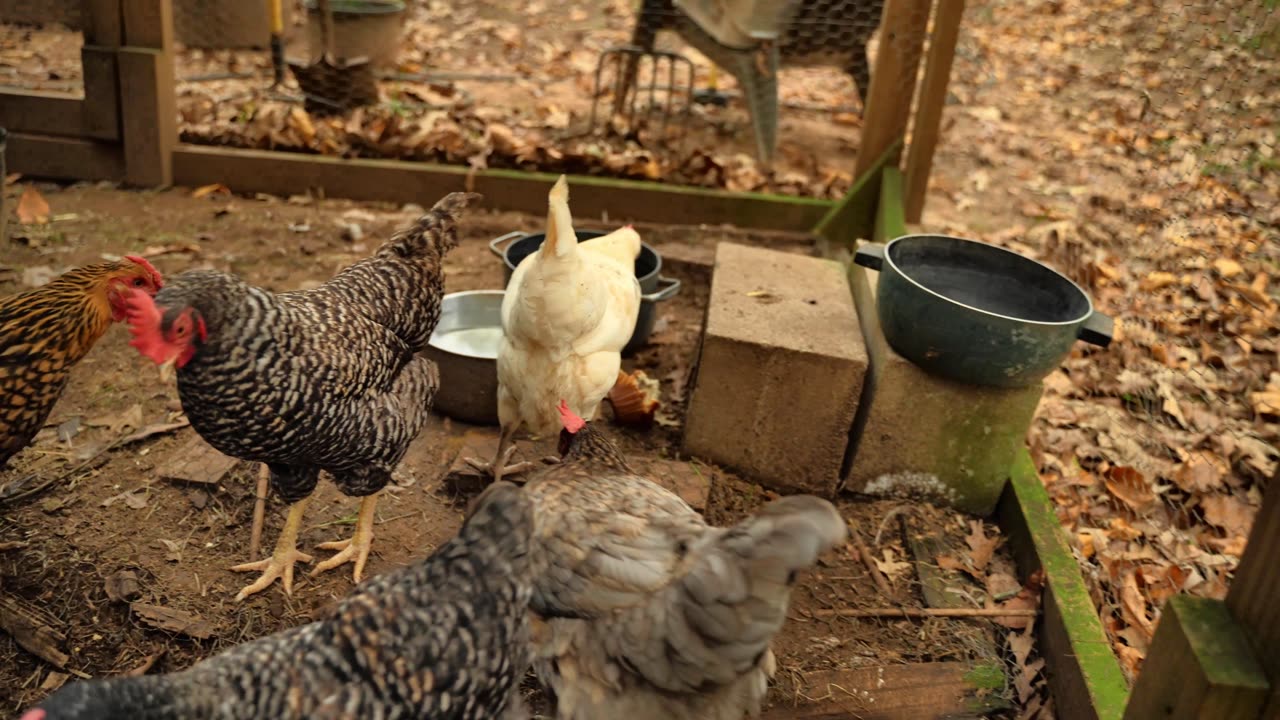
40	12
103	25
100	112
1251	597
148	123
1084	675
893	82
43	113
33	629
889	692
1199	666
148	23
423	183
853	217
44	156
933	96
890	221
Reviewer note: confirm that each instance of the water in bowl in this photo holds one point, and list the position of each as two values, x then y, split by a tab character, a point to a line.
474	342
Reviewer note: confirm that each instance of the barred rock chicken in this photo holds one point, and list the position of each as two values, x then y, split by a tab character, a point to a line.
659	614
45	331
446	638
568	311
310	380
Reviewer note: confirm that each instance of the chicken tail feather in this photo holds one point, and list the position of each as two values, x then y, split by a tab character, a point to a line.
736	594
436	231
561	239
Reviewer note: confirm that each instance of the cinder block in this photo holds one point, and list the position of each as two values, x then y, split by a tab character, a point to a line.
924	436
779	371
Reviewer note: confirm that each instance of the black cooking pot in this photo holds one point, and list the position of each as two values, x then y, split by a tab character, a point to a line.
978	313
654	288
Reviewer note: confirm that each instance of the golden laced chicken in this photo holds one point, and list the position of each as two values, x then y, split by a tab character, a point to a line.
446	638
45	331
650	612
309	380
568	311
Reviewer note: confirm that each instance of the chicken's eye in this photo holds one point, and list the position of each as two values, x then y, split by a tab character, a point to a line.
137	282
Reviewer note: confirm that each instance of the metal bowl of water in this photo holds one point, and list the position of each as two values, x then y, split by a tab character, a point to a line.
465	347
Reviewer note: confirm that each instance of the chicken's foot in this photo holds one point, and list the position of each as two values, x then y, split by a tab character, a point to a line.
356	548
501	465
280	564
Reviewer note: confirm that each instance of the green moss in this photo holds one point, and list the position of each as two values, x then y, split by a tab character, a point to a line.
986	677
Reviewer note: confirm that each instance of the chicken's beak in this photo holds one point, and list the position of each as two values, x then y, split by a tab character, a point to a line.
166	369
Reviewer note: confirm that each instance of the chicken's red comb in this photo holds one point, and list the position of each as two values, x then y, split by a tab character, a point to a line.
156	277
36	714
143	317
571	422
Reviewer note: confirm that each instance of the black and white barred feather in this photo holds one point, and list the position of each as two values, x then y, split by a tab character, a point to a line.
447	639
321	379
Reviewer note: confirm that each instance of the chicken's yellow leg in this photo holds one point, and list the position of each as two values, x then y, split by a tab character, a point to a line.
280	564
357	547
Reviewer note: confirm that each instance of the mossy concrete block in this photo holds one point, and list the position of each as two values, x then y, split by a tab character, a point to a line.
780	369
924	436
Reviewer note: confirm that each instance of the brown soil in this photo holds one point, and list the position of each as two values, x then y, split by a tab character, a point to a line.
181	539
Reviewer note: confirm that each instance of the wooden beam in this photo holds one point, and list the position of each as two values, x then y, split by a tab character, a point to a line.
893	80
853	217
1199	666
148	23
44	156
1255	588
892	692
1084	675
149	124
43	113
423	183
100	112
890	222
102	23
933	96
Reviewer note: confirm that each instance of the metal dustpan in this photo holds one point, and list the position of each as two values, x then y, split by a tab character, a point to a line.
333	85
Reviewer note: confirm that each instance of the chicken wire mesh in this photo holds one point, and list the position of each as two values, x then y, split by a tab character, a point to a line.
1154	185
40	42
490	85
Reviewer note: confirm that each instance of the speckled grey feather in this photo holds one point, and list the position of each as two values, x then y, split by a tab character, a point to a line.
446	638
651	612
320	379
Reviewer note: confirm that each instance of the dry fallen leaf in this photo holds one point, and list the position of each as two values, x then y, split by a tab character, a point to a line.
1227	267
1229	513
1201	473
891	567
1134	606
981	547
32	207
1130	487
206	190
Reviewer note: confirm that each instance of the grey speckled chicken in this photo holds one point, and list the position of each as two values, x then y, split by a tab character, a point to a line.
447	639
321	379
651	612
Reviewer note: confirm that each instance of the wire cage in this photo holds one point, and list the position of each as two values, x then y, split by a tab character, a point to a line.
40	44
657	90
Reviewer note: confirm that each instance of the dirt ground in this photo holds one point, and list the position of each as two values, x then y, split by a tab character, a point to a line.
71	547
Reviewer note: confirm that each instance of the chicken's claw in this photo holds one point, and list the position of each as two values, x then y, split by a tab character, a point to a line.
488	468
354	549
279	565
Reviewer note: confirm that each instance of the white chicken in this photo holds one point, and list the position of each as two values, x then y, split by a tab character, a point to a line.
568	311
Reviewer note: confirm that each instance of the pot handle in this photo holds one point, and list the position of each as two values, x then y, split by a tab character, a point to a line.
666	293
495	244
1097	330
870	255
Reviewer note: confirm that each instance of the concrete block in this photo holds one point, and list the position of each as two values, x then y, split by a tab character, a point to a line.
923	436
779	371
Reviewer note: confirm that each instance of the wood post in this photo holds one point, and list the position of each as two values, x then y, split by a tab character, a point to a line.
933	96
1199	666
1254	595
893	79
1215	659
149	125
